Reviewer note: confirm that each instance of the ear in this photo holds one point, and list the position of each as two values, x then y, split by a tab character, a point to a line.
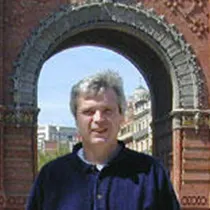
76	122
122	120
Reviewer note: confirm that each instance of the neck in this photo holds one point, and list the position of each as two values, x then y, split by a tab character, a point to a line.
99	154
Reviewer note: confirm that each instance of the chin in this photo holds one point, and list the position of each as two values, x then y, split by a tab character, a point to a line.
100	140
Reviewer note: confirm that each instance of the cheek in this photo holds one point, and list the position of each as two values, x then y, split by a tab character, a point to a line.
83	122
116	122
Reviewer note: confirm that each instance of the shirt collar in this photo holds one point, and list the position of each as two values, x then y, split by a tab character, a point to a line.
80	154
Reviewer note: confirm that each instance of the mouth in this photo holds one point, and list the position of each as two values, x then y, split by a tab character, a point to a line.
99	130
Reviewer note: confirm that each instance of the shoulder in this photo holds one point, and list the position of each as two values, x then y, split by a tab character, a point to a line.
139	157
141	160
58	165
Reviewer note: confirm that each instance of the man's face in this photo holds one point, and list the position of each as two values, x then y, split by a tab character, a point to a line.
98	117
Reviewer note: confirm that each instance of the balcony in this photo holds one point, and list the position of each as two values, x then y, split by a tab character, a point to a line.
140	134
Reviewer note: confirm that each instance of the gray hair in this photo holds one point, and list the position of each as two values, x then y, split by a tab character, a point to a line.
97	83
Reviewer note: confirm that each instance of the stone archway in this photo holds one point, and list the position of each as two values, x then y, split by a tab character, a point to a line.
177	86
148	28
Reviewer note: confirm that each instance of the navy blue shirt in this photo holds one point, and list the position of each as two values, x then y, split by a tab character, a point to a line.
131	181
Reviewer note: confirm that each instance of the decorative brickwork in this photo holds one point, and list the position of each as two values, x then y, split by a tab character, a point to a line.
13	202
173	34
194	201
188	10
19	117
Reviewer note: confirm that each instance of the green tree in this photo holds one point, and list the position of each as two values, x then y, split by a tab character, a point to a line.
45	157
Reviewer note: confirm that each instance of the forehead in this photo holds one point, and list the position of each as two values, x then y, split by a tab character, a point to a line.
106	96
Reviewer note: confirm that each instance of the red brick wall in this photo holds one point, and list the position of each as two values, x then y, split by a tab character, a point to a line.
196	167
174	12
51	146
1	95
18	24
1	50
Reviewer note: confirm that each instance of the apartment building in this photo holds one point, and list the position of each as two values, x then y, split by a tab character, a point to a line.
136	131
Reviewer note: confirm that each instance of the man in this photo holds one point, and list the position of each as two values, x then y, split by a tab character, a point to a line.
101	174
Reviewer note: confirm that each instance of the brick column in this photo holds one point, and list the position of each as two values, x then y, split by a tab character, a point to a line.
195	185
177	160
1	49
2	198
1	102
191	158
20	156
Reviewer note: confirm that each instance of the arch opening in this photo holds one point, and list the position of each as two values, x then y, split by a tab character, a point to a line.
142	56
148	63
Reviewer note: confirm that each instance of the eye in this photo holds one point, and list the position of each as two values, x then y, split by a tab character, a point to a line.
88	112
108	111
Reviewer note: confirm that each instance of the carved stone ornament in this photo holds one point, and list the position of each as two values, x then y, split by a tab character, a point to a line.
188	10
192	118
186	74
194	200
17	201
19	117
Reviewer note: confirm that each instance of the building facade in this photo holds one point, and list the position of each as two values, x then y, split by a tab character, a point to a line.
136	131
51	137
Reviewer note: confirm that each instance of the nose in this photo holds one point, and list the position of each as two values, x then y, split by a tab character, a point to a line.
98	116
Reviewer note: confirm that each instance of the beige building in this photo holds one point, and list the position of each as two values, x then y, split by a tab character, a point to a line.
136	131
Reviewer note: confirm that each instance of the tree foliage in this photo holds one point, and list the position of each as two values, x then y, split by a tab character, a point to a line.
45	157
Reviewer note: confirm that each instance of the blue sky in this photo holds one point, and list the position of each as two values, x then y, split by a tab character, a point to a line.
64	69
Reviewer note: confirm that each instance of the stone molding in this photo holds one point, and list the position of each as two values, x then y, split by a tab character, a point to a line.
191	118
18	117
183	119
186	74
